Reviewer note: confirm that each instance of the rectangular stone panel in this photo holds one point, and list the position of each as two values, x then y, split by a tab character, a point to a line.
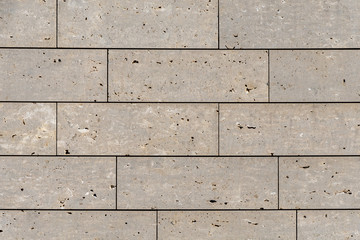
329	224
27	23
54	182
289	129
309	76
230	225
289	24
137	129
188	75
52	75
77	225
138	24
27	128
197	183
321	182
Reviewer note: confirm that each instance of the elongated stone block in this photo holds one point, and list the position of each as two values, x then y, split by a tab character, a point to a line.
54	182
27	128
289	24
309	76
188	75
77	225
137	129
52	75
289	129
205	183
27	23
329	224
138	24
227	225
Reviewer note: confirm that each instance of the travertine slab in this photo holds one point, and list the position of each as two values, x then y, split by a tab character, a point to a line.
229	225
138	24
27	128
77	225
188	75
321	182
27	23
60	75
289	24
289	129
325	225
308	76
137	129
197	183
54	182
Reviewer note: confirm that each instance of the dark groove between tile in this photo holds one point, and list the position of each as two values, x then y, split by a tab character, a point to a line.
185	210
129	156
184	102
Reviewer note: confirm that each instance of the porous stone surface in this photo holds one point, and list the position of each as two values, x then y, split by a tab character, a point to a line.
137	129
77	225
289	129
138	24
188	76
57	183
52	75
227	225
311	76
197	183
27	128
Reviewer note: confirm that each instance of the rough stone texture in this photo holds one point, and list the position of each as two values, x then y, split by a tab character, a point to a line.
300	76
27	23
289	129
53	182
77	225
289	24
197	183
196	75
61	75
324	225
138	24
322	182
137	129
227	225
27	128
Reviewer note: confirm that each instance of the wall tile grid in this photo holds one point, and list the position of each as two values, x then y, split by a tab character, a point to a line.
209	119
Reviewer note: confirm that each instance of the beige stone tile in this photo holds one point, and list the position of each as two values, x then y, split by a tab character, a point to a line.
197	183
309	76
138	24
289	129
27	128
58	75
228	225
27	23
289	24
77	225
54	182
137	129
325	225
188	75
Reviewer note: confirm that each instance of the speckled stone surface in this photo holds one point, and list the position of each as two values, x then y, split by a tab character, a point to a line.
330	224
27	23
27	128
188	76
59	75
227	225
137	129
197	183
289	129
53	182
307	76
322	182
138	24
289	24
77	225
